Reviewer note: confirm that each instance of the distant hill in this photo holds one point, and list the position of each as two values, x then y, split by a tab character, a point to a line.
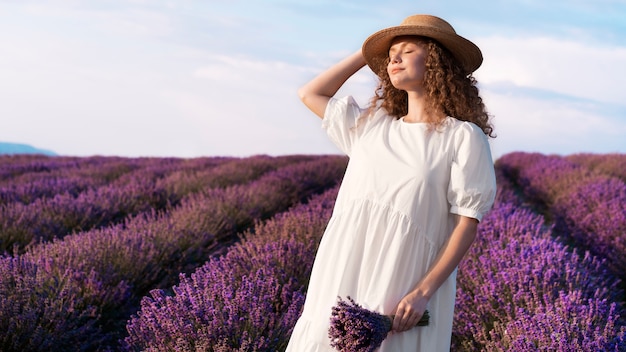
17	148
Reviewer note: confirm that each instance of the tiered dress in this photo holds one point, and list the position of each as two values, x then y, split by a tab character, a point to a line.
394	212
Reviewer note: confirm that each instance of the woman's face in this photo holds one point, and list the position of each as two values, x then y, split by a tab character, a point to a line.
406	66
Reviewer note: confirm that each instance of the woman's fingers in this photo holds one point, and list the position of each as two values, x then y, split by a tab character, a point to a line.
405	319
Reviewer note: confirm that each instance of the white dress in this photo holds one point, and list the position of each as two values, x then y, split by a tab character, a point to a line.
393	213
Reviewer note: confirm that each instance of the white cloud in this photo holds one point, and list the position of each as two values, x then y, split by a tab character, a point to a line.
249	107
550	95
578	69
530	123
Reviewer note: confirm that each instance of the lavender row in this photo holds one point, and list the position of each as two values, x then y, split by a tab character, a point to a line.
609	164
587	207
43	220
31	182
47	308
246	300
149	188
147	252
28	192
16	165
93	172
229	171
521	290
19	169
62	176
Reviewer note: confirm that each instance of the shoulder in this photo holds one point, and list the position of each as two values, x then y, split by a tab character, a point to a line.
342	104
468	136
459	126
340	111
464	129
347	105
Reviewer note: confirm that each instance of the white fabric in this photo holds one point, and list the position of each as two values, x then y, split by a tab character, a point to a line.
393	213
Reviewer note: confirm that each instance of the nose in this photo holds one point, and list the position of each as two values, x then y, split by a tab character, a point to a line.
395	59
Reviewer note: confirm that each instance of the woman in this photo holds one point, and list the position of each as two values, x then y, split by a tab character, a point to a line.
419	180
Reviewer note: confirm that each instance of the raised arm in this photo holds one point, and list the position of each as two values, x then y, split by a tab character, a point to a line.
316	93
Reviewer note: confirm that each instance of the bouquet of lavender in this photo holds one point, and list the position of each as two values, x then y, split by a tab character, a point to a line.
356	329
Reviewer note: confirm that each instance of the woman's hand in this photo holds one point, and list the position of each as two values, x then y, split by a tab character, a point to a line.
409	311
317	92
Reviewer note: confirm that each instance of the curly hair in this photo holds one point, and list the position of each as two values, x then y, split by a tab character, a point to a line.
450	90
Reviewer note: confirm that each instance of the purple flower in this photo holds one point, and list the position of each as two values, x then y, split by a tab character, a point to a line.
356	329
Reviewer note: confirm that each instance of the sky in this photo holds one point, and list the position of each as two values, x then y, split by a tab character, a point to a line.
190	78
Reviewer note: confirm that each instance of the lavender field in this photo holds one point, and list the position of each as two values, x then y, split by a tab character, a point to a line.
214	254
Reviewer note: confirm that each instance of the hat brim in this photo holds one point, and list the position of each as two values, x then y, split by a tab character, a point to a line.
376	46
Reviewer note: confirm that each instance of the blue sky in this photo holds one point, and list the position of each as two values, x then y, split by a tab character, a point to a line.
193	78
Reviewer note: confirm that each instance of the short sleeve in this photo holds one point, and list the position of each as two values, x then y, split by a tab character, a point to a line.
472	187
340	121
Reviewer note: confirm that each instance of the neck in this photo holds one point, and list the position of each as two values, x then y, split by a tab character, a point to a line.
417	111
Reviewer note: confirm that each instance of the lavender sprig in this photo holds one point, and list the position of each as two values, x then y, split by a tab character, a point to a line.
356	329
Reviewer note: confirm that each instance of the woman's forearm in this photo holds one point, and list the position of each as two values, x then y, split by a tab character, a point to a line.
412	306
449	257
316	93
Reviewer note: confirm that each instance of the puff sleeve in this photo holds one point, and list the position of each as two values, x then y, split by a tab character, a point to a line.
340	122
472	187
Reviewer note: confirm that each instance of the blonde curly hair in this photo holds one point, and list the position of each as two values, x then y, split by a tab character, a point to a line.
450	91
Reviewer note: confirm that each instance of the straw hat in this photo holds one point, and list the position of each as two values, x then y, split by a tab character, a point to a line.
466	52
